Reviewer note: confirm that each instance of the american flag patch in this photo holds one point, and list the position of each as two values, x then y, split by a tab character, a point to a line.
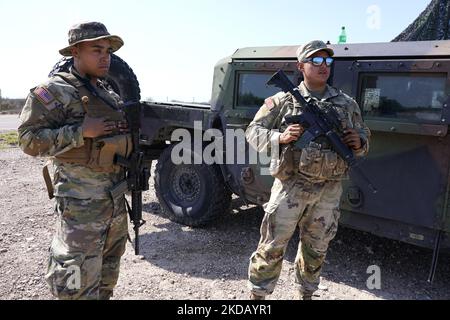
44	96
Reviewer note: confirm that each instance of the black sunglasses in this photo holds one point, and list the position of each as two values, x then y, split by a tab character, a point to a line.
318	61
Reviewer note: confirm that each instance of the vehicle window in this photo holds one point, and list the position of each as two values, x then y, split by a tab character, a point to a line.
407	96
252	88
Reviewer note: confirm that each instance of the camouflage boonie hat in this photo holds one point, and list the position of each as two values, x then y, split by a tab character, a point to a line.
312	47
90	31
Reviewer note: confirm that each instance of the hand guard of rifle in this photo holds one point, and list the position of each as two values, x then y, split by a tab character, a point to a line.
318	123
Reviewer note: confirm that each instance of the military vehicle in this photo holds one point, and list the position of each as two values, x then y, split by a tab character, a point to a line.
403	89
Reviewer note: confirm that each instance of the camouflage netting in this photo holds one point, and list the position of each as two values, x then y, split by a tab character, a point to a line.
432	24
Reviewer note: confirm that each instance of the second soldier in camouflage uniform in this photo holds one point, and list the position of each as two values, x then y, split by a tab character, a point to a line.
75	119
307	188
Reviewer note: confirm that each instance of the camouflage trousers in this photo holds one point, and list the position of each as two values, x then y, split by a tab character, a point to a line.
314	208
85	252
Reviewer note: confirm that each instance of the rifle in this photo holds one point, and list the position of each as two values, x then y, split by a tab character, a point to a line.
137	174
318	123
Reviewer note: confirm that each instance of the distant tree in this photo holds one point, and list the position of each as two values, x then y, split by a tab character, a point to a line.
11	105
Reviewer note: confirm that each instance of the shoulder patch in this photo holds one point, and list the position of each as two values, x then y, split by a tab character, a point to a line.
269	103
45	97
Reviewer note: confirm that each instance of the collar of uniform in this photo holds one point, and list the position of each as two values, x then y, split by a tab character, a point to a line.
75	72
78	75
330	92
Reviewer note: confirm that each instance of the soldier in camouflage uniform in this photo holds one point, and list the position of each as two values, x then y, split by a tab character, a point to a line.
76	119
307	187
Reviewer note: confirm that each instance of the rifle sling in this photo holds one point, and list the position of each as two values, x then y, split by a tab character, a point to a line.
48	182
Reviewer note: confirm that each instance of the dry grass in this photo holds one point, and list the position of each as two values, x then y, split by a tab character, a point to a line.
8	139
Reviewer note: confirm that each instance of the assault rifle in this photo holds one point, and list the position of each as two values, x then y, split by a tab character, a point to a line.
137	173
318	123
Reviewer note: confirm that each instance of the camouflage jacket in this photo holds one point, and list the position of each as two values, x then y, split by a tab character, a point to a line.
317	161
51	122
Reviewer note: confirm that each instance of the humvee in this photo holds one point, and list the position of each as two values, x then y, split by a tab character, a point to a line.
403	89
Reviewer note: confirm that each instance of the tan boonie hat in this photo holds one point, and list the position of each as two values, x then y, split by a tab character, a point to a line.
90	31
312	47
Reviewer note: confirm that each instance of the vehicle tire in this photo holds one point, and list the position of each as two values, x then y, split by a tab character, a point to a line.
120	77
193	195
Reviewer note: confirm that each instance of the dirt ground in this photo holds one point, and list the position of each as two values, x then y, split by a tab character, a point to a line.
194	264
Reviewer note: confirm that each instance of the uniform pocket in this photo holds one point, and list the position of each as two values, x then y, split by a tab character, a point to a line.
329	164
105	150
332	227
341	168
311	162
106	153
282	168
322	164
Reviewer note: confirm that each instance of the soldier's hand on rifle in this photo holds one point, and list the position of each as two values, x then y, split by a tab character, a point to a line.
352	139
97	127
291	134
123	127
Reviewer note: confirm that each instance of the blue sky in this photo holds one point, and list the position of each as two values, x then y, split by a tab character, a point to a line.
173	45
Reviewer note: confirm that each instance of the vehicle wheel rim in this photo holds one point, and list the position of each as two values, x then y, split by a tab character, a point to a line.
186	184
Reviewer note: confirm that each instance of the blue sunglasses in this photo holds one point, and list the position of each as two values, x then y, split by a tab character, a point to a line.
318	61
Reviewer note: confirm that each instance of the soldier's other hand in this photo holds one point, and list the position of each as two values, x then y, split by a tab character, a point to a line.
97	127
291	134
352	139
123	127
